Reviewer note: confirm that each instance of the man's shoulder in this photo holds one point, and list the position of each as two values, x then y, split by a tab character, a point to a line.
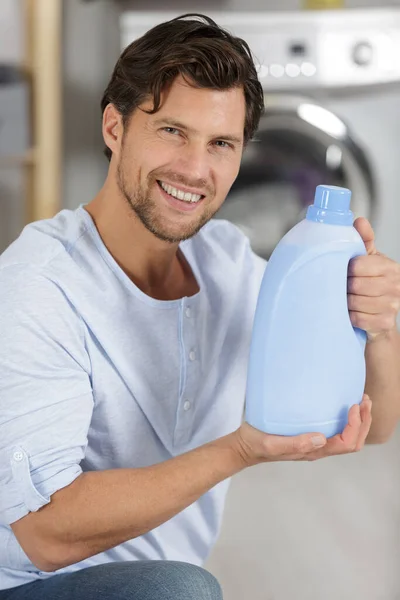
29	267
41	242
27	294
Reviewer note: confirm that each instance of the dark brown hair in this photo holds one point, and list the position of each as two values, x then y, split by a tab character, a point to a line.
191	45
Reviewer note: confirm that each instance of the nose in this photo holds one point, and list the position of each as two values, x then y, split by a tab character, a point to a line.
194	162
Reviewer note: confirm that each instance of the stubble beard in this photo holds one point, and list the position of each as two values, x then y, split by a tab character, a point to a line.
145	209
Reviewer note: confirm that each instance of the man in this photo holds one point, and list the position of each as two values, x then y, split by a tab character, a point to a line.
125	327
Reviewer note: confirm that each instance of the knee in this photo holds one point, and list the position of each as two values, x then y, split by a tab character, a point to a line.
192	582
151	579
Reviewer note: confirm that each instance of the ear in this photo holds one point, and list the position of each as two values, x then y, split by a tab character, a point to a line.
112	128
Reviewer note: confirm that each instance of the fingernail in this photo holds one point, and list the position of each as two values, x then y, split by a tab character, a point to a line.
318	441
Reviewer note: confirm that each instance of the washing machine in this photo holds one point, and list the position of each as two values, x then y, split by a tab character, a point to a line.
332	97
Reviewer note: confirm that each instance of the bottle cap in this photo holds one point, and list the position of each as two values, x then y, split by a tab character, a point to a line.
332	197
331	206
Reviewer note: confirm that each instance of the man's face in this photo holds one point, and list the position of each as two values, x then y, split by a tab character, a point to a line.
190	148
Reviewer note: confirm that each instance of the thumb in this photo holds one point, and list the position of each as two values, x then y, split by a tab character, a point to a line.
279	445
363	226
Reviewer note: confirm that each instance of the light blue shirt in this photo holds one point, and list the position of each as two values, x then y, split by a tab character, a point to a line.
95	374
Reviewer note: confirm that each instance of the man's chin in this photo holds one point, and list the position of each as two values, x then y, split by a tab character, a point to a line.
174	235
177	232
165	227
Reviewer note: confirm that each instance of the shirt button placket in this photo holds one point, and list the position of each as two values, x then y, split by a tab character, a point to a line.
185	417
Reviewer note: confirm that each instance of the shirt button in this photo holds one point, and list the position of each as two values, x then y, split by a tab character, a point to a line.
187	405
18	456
188	312
192	355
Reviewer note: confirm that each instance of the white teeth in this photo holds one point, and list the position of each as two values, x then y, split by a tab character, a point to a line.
186	196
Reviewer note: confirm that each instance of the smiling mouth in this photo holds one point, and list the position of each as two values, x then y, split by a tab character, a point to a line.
179	194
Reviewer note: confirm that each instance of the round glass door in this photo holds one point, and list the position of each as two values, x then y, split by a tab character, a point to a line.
299	145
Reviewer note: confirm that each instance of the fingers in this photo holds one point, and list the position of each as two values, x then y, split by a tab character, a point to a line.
374	305
372	266
351	432
366	420
373	324
370	286
353	437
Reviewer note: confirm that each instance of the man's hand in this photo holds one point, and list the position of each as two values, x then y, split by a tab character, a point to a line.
373	288
255	446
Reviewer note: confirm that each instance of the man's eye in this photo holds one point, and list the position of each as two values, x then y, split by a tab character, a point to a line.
222	144
171	130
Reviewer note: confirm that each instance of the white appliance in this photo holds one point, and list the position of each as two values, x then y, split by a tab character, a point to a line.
331	97
329	529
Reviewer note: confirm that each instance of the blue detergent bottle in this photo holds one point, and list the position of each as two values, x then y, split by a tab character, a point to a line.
306	364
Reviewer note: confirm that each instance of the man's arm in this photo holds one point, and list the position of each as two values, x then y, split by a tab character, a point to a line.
374	302
100	510
383	385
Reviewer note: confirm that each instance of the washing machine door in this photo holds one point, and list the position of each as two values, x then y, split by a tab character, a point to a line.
299	145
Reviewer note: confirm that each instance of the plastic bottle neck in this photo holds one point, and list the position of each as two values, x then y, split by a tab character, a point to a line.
329	217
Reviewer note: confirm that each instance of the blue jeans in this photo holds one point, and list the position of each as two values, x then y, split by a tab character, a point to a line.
133	580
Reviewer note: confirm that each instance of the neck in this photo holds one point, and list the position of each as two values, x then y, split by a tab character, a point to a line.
157	267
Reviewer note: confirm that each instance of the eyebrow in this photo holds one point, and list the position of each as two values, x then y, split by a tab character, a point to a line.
173	123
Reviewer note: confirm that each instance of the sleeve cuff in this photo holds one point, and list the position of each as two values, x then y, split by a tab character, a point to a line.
30	498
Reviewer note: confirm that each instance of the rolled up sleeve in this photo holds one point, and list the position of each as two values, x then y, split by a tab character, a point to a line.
46	400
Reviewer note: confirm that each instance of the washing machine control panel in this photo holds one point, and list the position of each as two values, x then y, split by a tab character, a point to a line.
324	53
308	48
